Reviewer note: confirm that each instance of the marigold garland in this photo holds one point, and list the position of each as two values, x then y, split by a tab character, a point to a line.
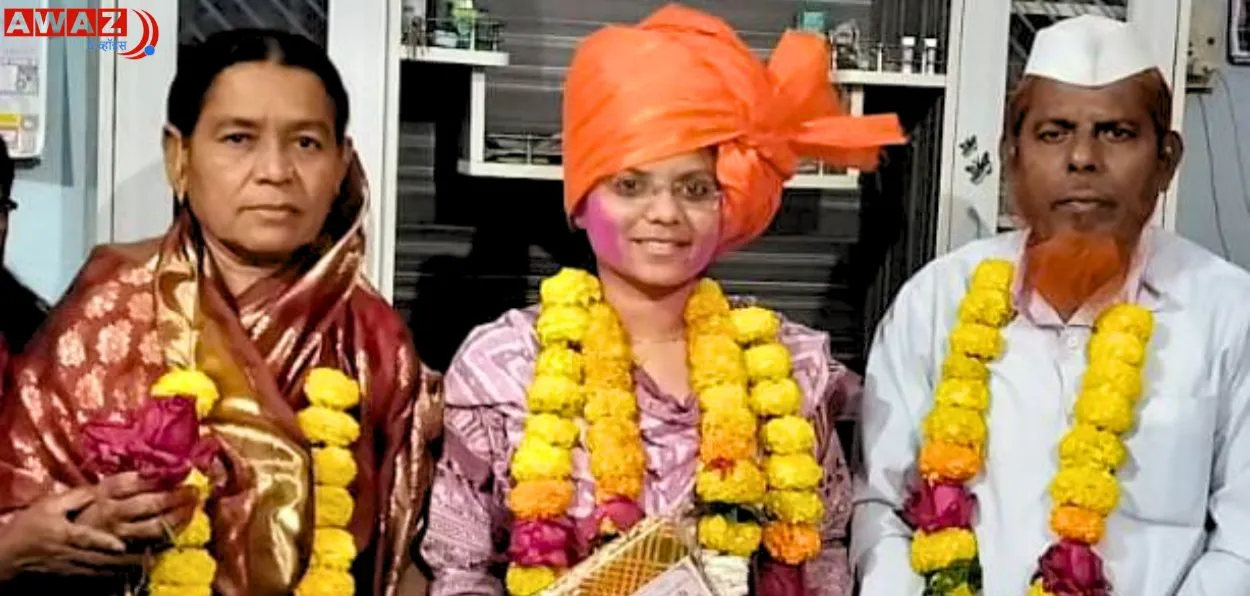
1084	491
328	425
187	568
741	373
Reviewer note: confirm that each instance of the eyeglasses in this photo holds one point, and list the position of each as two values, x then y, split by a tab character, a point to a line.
7	206
697	189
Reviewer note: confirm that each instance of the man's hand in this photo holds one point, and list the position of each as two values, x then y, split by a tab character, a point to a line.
136	510
43	539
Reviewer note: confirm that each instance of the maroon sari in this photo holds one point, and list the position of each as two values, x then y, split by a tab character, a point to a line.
135	311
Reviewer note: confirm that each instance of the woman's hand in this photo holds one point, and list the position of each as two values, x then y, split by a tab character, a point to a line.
136	510
43	538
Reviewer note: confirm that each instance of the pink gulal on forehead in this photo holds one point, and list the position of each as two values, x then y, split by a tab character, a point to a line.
608	240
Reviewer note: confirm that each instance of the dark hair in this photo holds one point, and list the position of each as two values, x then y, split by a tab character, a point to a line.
22	311
199	64
1159	98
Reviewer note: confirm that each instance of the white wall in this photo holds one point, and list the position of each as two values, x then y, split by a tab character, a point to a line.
51	232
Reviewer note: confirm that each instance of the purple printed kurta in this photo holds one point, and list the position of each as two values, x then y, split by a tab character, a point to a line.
485	417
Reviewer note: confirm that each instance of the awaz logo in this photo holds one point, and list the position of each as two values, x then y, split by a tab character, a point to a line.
108	24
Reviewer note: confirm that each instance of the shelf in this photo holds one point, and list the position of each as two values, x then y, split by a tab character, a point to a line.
437	55
519	171
872	78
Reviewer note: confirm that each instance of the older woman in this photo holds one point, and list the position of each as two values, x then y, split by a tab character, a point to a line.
677	143
255	289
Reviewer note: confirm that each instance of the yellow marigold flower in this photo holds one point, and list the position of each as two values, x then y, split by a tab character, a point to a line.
559	361
1086	445
716	325
333	548
561	325
799	471
541	499
197	480
977	341
1077	523
620	459
611	487
334	466
188	383
548	394
986	307
183	567
789	434
328	427
319	581
1120	377
1104	408
1117	345
718	533
331	388
948	462
779	397
196	533
537	460
604	403
727	434
723	397
1038	589
715	360
611	373
168	590
791	543
937	550
767	361
605	335
570	287
1126	318
333	506
753	324
962	393
964	367
963	590
960	426
527	581
561	432
795	506
740	483
1090	488
611	433
993	274
707	300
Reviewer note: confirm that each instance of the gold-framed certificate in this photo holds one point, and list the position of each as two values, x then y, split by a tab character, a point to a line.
655	558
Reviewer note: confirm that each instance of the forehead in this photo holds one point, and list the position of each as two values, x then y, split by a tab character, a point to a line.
686	163
1125	100
264	91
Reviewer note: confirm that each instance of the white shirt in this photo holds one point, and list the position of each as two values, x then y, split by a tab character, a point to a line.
1183	523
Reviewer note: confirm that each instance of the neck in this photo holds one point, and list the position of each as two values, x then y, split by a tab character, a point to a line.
648	316
238	272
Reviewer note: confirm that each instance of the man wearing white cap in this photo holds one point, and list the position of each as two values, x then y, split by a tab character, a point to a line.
1065	410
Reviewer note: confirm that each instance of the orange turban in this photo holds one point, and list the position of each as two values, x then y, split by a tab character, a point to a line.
682	80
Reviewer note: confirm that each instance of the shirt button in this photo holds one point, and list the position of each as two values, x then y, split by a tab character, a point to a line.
1073	342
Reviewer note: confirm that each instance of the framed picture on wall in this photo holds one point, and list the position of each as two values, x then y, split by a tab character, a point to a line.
1239	31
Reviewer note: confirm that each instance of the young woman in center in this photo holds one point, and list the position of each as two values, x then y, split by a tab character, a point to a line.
641	390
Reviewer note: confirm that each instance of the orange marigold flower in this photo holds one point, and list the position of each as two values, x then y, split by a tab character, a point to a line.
949	462
611	487
541	499
791	543
1077	523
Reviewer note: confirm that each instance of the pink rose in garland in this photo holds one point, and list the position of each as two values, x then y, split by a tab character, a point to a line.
611	518
540	543
1070	568
933	507
775	578
161	441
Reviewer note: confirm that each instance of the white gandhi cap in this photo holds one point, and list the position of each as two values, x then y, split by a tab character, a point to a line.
1089	51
